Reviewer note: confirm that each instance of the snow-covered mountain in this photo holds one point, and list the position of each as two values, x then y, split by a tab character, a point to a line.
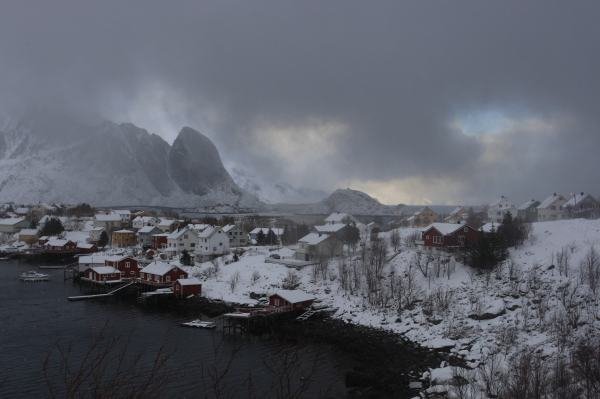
54	158
274	193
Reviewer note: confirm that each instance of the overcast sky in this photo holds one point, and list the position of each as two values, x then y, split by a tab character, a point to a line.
414	102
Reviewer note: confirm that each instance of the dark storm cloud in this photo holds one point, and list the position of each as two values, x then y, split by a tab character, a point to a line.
397	77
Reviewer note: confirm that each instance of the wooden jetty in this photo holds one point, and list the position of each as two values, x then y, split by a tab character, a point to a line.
94	296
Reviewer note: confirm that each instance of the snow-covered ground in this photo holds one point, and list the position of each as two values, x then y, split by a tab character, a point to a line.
471	314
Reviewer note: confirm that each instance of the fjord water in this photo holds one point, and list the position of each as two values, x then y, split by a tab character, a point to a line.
35	317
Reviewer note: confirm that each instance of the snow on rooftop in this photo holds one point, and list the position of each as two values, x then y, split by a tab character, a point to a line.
146	229
111	217
189	281
526	205
294	296
278	231
313	238
157	268
550	200
28	232
105	269
490	227
444	228
10	221
330	228
228	227
575	199
337	217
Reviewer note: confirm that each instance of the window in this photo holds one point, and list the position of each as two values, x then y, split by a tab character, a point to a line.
168	278
127	265
437	239
192	245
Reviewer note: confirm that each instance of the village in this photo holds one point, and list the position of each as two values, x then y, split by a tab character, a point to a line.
412	275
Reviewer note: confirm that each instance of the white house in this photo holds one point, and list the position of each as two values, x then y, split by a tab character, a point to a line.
181	239
339	217
499	208
167	225
124	214
551	208
13	225
109	221
581	205
237	237
141	221
213	241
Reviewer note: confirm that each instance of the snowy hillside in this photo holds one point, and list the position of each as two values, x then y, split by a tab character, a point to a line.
526	303
273	192
56	159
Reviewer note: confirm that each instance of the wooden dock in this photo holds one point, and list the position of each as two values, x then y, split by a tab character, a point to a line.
94	296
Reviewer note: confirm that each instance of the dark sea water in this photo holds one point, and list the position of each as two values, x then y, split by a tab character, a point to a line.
36	319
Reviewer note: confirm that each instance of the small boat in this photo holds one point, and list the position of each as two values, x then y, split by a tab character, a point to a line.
4	258
33	276
199	324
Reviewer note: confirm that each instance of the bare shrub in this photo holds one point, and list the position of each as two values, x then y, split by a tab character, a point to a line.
291	281
411	239
526	377
255	277
234	280
590	270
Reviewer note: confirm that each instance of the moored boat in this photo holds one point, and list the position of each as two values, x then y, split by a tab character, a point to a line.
199	324
33	276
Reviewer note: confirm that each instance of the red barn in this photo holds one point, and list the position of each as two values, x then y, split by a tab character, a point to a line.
127	265
161	274
290	300
185	287
449	236
102	275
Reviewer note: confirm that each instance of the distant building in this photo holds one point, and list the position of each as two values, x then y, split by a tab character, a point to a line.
13	225
160	241
126	265
184	287
291	300
213	241
29	236
278	231
167	225
95	233
162	274
458	215
108	221
528	211
315	246
123	239
102	275
581	205
141	221
449	236
182	239
60	245
423	217
144	235
499	208
339	217
551	208
237	236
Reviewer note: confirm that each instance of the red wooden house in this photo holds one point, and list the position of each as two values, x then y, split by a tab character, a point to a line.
161	274
102	275
449	236
159	241
185	287
56	245
290	300
86	248
127	265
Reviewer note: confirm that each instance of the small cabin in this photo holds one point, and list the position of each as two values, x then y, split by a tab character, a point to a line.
184	287
290	300
58	245
102	275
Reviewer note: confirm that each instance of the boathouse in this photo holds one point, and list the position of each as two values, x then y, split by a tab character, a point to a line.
127	265
290	300
102	275
162	274
185	287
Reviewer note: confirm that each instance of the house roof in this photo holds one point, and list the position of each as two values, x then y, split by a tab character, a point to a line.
158	268
576	199
180	232
457	210
208	232
57	243
124	231
294	296
330	228
189	281
147	229
444	228
83	245
337	217
166	222
550	200
228	227
111	217
313	238
28	232
104	269
526	205
489	227
11	221
93	259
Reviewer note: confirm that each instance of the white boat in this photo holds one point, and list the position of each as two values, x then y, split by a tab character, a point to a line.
32	275
199	324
